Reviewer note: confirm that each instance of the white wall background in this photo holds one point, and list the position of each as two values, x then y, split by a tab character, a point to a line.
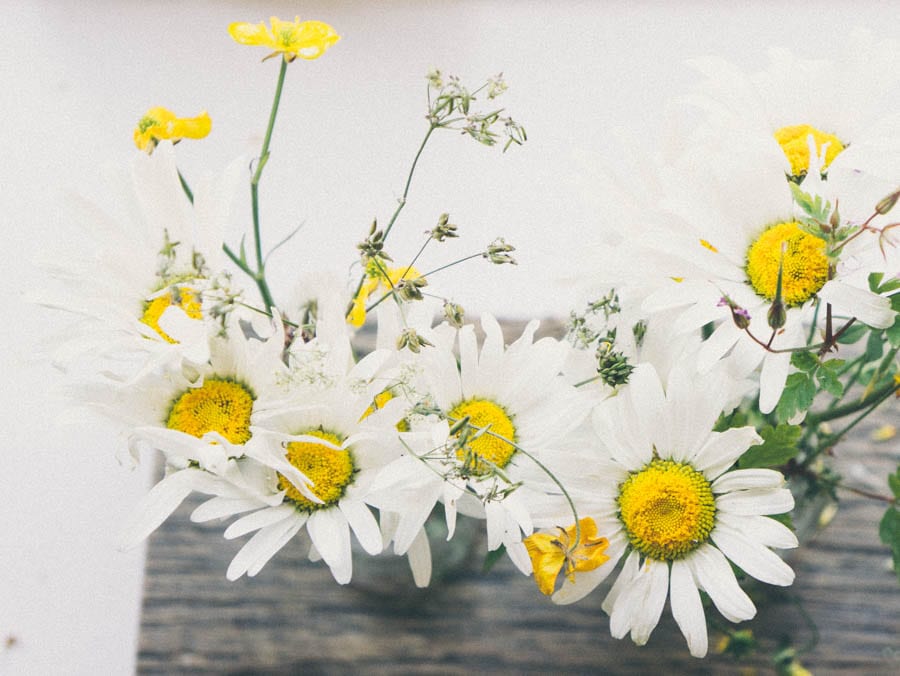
77	76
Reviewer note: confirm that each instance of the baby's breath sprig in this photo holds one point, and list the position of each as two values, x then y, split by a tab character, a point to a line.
450	107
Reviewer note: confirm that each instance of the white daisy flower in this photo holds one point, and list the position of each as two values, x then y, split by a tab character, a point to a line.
199	416
337	442
147	284
518	394
714	250
844	102
669	508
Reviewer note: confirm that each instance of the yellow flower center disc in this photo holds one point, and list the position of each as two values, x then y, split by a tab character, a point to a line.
222	406
330	470
794	141
668	509
805	263
487	447
185	298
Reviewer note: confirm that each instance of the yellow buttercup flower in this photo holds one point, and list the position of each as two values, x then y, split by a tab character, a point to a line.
160	124
375	278
550	552
306	39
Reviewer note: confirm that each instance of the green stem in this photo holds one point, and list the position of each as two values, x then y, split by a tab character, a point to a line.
847	409
486	430
456	262
412	169
402	201
880	396
260	275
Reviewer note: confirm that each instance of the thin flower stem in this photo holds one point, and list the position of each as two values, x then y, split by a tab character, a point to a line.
823	347
867	494
401	203
847	409
814	639
415	258
260	275
486	430
587	381
881	396
412	169
456	262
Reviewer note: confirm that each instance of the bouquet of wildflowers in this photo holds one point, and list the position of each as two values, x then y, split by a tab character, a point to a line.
742	321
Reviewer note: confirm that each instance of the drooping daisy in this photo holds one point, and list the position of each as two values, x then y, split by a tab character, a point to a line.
663	497
515	394
147	285
330	435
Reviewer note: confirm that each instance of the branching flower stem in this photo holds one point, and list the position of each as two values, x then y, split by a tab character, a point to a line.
486	430
259	274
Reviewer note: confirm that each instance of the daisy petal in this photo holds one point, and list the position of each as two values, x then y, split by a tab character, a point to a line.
748	478
364	525
756	501
419	557
753	558
330	533
715	577
687	608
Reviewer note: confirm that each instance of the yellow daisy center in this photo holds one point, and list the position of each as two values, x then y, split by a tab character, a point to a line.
329	470
805	263
185	298
484	413
668	509
222	406
794	141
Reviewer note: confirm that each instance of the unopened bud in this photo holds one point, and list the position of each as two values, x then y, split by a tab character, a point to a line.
885	205
409	289
443	229
498	252
409	338
739	315
777	314
455	314
835	220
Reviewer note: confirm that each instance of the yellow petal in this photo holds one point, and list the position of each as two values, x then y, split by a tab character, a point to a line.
547	558
191	127
251	34
161	124
306	39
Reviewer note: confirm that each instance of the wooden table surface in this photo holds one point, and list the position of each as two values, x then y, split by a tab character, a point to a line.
294	619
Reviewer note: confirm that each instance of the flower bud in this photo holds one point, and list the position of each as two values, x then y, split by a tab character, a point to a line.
777	314
885	205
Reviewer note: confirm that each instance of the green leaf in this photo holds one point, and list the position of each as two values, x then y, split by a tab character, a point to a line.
830	383
889	532
876	286
874	346
853	334
893	333
805	361
875	281
779	445
812	205
894	483
798	395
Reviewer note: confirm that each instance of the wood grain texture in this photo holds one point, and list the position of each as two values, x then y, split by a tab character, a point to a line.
294	619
